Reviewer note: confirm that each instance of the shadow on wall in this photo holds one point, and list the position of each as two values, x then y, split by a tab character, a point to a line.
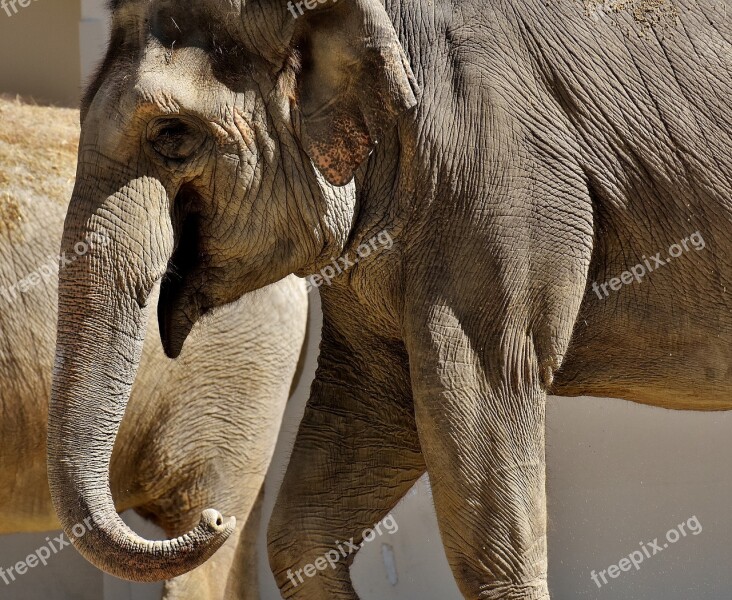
621	477
50	47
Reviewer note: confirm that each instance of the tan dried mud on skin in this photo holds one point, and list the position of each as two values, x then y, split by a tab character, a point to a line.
648	13
10	215
38	146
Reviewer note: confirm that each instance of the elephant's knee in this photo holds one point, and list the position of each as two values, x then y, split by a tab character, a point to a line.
532	590
294	545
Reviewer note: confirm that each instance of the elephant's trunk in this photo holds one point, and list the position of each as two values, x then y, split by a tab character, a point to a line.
110	271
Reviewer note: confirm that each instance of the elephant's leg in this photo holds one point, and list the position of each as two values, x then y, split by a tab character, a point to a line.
209	581
231	573
356	454
243	581
480	418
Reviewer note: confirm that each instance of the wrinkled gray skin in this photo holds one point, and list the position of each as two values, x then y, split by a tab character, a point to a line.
198	432
530	150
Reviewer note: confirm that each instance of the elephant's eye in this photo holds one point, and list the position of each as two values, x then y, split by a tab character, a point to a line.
175	139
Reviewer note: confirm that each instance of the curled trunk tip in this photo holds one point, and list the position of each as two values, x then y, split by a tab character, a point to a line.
215	521
131	557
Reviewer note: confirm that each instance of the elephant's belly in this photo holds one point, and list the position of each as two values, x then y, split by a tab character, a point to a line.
25	502
681	361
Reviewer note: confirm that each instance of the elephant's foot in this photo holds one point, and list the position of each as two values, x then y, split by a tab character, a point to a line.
536	590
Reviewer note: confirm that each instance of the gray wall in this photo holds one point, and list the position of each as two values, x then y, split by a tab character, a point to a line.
39	46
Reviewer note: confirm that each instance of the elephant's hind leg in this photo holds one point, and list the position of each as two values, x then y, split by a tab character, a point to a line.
356	455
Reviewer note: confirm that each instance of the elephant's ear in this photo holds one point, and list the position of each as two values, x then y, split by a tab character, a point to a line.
354	82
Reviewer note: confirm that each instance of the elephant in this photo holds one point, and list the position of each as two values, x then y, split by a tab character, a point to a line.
199	431
515	156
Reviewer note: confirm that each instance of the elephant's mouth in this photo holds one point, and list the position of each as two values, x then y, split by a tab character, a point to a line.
180	305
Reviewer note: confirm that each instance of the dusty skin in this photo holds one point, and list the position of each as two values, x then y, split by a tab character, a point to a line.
645	11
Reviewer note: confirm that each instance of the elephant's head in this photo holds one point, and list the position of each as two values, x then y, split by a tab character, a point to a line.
217	143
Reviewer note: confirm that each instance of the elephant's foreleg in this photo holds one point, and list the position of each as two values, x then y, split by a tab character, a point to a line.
356	455
483	442
209	581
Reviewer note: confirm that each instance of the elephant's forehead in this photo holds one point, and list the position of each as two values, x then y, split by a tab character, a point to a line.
206	24
170	39
181	7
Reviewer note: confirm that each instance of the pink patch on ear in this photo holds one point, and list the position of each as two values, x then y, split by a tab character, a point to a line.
338	156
